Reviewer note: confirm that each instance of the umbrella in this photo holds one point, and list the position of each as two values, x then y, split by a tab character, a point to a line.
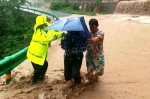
71	24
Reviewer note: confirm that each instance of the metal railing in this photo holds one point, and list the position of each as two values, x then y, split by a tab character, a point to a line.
36	11
10	62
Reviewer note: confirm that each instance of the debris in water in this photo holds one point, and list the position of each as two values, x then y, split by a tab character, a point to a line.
41	96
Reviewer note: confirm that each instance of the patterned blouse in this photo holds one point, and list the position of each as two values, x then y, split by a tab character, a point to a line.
95	50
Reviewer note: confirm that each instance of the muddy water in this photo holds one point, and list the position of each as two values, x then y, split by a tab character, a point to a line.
127	55
139	7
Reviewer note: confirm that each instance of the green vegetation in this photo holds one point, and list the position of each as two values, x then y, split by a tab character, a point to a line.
70	8
15	28
98	2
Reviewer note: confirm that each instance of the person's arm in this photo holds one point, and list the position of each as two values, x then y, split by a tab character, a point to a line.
54	34
99	37
46	37
93	40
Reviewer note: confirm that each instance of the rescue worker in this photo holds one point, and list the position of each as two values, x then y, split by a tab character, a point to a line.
37	50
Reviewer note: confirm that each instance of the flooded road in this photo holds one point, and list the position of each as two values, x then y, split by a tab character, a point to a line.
126	48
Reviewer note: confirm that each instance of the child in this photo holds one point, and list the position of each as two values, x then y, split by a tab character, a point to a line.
94	54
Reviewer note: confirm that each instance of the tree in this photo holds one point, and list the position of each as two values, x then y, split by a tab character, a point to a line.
97	6
66	1
14	27
9	13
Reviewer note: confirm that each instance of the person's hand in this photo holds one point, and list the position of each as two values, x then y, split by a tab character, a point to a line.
52	21
63	34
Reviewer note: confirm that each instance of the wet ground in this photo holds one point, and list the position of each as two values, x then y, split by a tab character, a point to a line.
127	69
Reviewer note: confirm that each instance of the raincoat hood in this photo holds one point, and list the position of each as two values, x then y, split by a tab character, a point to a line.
40	20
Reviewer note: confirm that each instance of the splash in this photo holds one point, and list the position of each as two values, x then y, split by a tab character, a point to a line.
53	87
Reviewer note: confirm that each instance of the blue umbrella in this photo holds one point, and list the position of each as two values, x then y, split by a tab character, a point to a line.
71	24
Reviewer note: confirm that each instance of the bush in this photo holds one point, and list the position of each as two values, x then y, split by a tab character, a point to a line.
70	8
58	5
64	5
75	6
98	2
15	33
92	7
55	6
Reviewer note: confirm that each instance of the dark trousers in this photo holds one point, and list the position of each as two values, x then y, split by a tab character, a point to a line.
39	70
72	65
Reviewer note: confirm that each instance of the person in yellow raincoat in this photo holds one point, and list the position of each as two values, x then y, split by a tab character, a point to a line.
37	50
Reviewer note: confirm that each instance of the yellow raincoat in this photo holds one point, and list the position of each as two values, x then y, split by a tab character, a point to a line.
38	47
